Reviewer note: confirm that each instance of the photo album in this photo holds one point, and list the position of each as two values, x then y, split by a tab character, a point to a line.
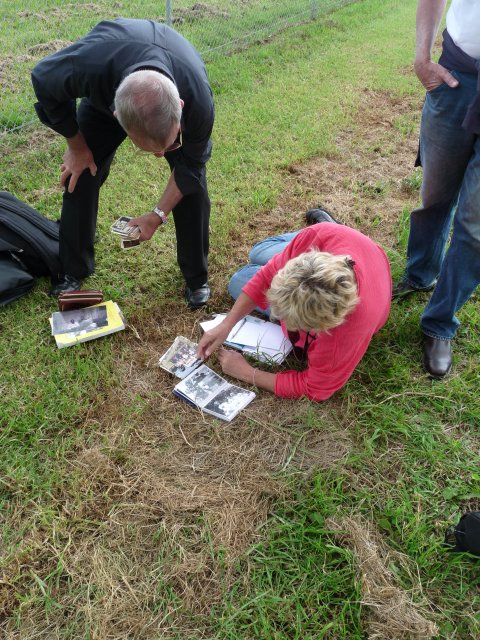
87	323
261	339
200	386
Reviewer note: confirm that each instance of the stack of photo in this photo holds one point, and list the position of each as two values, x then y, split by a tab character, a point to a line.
129	234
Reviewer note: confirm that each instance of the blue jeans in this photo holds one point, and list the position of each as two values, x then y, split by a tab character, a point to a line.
261	253
450	192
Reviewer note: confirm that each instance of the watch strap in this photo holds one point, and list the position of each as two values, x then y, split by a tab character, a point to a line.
161	214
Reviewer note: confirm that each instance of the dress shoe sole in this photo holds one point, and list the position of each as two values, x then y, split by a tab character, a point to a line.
193	307
437	376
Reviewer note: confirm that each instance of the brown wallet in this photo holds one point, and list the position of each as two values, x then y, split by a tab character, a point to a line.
79	298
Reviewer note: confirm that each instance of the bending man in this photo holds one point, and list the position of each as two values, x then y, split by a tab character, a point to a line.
330	287
143	80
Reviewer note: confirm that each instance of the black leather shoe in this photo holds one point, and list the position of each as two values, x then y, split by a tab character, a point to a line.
197	297
403	289
65	283
437	356
314	216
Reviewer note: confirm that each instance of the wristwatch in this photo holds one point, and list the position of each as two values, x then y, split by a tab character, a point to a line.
160	214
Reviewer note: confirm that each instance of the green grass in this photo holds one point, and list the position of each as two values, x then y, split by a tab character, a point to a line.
216	29
413	465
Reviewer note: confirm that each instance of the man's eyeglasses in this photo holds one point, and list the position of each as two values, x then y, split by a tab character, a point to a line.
173	147
176	144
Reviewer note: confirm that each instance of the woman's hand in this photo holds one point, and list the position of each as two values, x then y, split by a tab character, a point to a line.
235	365
212	339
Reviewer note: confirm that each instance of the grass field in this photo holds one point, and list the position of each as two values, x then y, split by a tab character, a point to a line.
124	513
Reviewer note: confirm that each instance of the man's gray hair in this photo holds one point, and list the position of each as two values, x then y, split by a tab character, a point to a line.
147	103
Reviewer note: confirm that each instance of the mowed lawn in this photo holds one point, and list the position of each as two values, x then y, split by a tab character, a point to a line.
126	514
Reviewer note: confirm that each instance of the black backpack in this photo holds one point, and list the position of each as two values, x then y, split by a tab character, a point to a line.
28	247
465	536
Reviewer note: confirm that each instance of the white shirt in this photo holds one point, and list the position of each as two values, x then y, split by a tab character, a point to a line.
463	25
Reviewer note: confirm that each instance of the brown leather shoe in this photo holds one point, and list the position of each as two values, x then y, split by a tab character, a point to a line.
437	356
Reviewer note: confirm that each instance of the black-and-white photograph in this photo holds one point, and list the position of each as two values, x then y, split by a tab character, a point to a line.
79	320
120	225
181	358
201	385
229	402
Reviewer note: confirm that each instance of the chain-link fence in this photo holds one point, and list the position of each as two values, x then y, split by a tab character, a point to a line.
31	30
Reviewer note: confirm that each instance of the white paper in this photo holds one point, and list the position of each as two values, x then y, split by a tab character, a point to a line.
259	338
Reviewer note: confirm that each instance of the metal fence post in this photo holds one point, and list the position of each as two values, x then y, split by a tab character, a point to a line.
314	9
168	11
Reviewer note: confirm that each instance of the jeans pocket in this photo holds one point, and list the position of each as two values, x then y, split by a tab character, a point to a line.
442	85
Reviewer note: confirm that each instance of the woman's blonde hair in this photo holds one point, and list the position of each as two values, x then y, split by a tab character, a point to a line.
314	291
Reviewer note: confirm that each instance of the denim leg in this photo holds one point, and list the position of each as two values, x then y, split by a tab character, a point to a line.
261	253
264	250
445	150
460	273
240	279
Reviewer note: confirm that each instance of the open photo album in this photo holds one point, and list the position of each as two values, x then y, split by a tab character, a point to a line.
200	386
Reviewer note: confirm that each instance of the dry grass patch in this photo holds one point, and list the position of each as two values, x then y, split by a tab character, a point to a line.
165	497
392	613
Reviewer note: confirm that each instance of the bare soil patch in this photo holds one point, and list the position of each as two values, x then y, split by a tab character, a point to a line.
198	11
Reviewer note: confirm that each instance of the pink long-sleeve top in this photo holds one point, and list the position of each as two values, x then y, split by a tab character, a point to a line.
334	354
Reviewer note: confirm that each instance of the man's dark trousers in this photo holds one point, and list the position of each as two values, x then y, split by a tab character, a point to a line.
78	222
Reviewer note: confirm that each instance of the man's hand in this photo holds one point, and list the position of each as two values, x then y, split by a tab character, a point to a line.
77	158
432	75
235	365
212	339
148	224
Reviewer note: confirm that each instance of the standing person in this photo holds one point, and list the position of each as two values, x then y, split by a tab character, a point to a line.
143	80
330	287
450	157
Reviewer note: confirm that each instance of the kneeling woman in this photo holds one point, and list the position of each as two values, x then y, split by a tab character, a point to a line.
330	287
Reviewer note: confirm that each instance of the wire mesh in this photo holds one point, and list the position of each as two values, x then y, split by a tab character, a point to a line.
30	31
